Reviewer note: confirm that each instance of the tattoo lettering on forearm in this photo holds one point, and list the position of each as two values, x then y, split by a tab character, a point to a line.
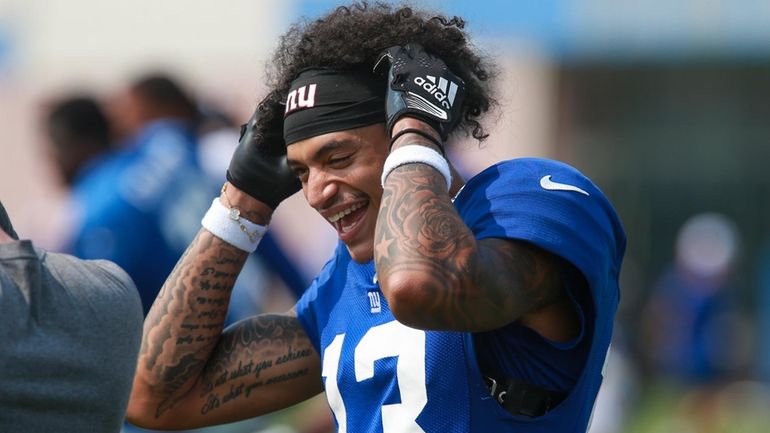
218	274
292	355
212	314
254	369
186	355
214	401
418	229
190	339
287	376
202	300
256	348
187	318
277	379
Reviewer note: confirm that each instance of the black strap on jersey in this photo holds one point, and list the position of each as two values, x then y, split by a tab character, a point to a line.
521	398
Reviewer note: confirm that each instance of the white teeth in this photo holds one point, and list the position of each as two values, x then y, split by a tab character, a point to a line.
335	218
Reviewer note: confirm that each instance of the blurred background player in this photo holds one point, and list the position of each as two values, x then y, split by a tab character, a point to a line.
91	151
696	340
138	206
79	135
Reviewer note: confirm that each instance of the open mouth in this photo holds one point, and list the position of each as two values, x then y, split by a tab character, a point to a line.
347	220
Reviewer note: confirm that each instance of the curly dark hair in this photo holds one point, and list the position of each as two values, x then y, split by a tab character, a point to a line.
351	38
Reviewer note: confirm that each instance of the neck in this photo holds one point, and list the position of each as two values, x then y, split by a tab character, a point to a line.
457	181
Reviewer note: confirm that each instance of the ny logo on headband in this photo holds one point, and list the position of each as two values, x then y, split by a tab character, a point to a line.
302	97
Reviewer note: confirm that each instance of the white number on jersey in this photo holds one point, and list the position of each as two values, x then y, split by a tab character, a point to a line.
386	340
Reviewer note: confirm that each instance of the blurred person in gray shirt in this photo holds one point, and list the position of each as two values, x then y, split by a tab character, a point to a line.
70	331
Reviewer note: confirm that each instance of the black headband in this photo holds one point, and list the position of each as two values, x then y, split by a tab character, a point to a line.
5	223
322	101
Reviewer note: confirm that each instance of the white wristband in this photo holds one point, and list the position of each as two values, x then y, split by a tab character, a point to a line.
227	224
414	153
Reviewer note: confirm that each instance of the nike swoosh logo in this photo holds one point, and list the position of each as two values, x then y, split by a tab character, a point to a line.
548	184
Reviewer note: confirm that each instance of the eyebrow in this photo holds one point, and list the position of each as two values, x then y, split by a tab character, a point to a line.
326	149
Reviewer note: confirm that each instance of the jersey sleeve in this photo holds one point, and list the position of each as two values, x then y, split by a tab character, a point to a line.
555	207
552	205
307	315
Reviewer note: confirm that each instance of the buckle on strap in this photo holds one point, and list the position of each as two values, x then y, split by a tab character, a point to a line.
491	384
521	398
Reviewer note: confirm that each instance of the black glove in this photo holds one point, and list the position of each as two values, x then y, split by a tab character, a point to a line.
421	86
258	166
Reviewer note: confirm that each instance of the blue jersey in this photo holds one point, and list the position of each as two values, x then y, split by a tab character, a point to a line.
141	206
383	377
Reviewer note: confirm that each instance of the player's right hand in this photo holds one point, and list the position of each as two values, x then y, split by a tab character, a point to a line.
258	166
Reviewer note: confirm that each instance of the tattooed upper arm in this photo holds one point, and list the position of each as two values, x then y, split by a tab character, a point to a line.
518	277
436	275
265	363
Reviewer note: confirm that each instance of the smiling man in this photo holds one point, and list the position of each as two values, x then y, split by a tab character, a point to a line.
448	305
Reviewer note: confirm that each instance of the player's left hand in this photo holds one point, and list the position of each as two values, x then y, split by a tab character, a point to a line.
420	85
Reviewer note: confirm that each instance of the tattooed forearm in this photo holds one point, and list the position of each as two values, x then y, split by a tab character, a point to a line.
186	320
464	284
191	371
190	365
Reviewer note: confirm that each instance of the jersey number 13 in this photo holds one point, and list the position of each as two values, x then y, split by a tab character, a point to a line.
386	340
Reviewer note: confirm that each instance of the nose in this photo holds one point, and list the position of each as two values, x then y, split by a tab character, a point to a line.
320	189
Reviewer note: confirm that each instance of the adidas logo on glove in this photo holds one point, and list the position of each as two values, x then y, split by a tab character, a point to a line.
445	91
422	86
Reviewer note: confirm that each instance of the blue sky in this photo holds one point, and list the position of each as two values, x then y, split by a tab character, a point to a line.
585	28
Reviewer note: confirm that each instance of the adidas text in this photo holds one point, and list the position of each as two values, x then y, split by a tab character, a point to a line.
444	91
